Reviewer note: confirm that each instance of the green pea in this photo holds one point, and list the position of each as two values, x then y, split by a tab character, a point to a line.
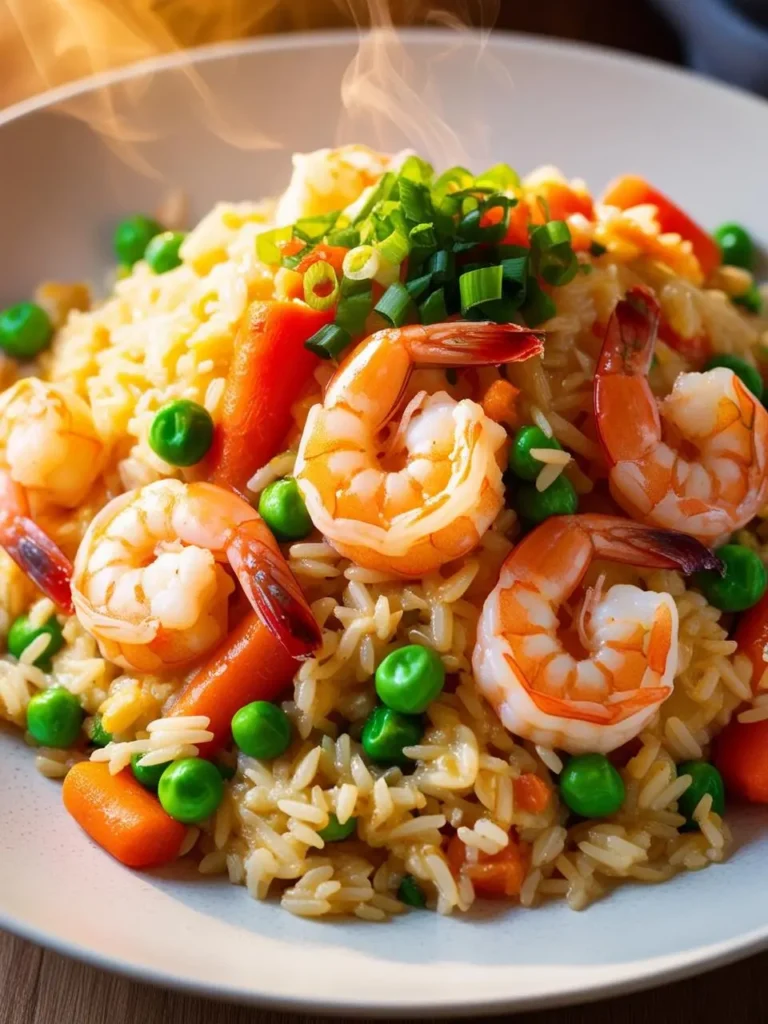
751	300
559	499
54	717
410	678
21	635
190	790
736	245
181	432
132	236
97	734
387	732
334	831
262	730
282	508
743	581
521	462
162	253
410	892
148	775
25	330
706	779
747	373
591	787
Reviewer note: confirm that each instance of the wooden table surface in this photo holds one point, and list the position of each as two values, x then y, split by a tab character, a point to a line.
41	987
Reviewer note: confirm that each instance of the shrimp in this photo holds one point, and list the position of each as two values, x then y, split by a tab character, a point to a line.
149	582
50	455
593	686
427	495
698	460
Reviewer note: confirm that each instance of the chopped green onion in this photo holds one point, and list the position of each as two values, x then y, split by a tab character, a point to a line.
415	201
442	266
500	311
329	342
501	177
471	229
554	232
452	180
480	286
348	238
433	309
291	262
538	305
596	249
417	170
362	263
377	194
321	286
515	276
313	229
553	254
268	244
396	305
423	236
394	248
353	309
418	285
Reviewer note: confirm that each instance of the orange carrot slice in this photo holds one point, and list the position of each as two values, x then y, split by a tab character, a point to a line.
494	876
532	794
741	755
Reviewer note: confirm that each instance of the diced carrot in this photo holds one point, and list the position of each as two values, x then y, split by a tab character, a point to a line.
532	794
121	816
741	755
560	202
494	876
697	349
752	637
333	254
631	190
517	229
270	367
250	665
500	402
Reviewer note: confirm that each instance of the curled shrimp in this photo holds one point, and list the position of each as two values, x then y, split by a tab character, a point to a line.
697	461
594	685
425	495
50	455
150	585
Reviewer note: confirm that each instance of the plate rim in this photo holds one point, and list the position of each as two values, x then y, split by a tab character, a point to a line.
635	975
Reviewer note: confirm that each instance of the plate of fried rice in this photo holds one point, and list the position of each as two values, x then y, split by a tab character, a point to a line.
384	524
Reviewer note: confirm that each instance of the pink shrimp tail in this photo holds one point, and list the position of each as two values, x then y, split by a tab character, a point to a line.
472	343
31	549
631	335
623	540
272	589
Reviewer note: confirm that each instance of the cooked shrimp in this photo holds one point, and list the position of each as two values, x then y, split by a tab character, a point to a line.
593	685
148	581
50	455
696	461
425	495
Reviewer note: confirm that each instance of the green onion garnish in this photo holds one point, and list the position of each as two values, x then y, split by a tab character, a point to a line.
353	310
515	276
313	229
329	342
423	236
362	263
346	237
396	305
417	286
291	262
268	244
417	169
321	286
394	248
553	255
433	309
442	266
415	201
538	305
501	178
378	193
480	286
596	249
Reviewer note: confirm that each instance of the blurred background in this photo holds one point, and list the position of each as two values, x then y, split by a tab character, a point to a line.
44	43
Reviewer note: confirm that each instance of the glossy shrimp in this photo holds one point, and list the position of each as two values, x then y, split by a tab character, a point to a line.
150	583
50	456
698	460
591	683
424	495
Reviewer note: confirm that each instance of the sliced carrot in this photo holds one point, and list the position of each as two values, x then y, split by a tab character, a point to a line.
532	794
631	190
270	367
741	755
517	229
560	201
500	402
333	254
494	876
752	637
121	816
250	665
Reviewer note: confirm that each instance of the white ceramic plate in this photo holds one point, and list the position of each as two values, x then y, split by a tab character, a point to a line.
594	114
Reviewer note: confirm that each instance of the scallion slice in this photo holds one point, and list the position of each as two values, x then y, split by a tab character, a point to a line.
313	229
362	263
415	201
538	306
378	193
423	236
417	170
268	244
348	238
480	286
353	309
329	342
554	232
553	255
515	276
501	177
394	248
442	266
433	309
321	286
417	286
396	305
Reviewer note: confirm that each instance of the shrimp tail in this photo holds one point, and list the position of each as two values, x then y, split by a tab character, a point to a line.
623	540
631	335
472	343
272	589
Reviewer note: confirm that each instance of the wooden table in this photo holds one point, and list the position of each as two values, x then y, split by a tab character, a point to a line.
41	987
